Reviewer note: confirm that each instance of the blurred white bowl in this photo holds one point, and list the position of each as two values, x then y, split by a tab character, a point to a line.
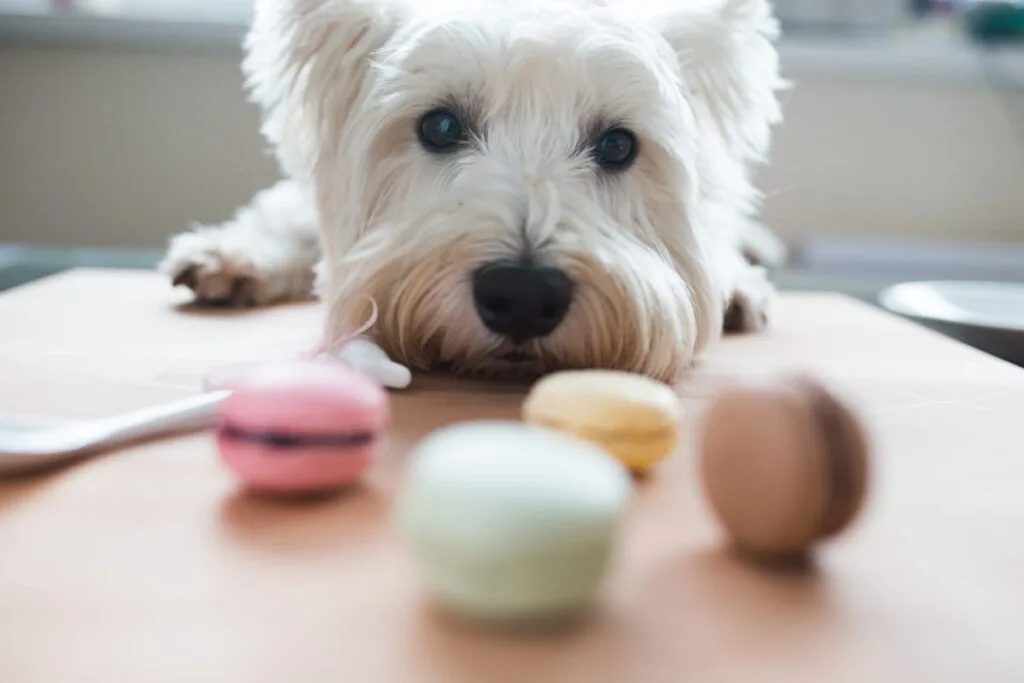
986	315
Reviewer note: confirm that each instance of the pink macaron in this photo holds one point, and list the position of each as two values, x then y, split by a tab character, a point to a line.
302	426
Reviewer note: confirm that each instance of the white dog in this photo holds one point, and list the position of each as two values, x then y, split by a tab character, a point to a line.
518	186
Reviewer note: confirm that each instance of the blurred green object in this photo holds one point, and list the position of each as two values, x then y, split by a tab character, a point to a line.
995	21
22	264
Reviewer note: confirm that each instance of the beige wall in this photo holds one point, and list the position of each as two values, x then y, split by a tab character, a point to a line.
929	160
122	148
125	147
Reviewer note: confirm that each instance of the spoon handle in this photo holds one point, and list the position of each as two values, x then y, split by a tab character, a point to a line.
195	412
45	448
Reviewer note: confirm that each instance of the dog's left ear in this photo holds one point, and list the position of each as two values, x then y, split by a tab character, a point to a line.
730	66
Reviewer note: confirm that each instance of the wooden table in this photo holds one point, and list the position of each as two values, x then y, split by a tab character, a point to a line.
149	564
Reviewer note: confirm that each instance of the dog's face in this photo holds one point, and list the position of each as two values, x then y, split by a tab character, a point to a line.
518	187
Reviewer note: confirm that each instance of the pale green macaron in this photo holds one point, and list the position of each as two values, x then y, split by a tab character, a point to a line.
511	522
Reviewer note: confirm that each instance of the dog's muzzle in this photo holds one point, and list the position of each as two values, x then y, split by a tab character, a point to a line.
521	300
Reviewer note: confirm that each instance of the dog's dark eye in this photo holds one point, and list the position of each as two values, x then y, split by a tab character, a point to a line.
441	131
616	150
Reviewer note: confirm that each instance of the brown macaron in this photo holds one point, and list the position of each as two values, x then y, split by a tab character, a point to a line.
784	466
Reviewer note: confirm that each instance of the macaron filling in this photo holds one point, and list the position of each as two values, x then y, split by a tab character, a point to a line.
609	435
841	458
289	440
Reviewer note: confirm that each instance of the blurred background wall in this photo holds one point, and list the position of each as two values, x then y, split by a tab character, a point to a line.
124	142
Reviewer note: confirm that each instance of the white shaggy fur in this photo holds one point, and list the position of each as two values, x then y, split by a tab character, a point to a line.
663	255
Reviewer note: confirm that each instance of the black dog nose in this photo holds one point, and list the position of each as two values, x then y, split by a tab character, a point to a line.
521	300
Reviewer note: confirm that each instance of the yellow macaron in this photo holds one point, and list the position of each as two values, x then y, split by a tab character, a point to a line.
633	417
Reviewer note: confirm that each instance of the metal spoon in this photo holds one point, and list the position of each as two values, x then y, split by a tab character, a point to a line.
27	448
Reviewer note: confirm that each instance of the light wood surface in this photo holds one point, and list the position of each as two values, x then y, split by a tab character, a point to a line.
150	565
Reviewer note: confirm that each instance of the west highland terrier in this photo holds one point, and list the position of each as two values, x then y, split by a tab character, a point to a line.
515	186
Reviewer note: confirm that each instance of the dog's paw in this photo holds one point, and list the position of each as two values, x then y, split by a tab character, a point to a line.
223	274
752	304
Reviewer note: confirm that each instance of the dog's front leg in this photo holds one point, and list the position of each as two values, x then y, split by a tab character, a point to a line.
264	255
744	260
752	302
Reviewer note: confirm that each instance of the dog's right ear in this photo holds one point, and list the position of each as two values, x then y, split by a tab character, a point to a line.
306	62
